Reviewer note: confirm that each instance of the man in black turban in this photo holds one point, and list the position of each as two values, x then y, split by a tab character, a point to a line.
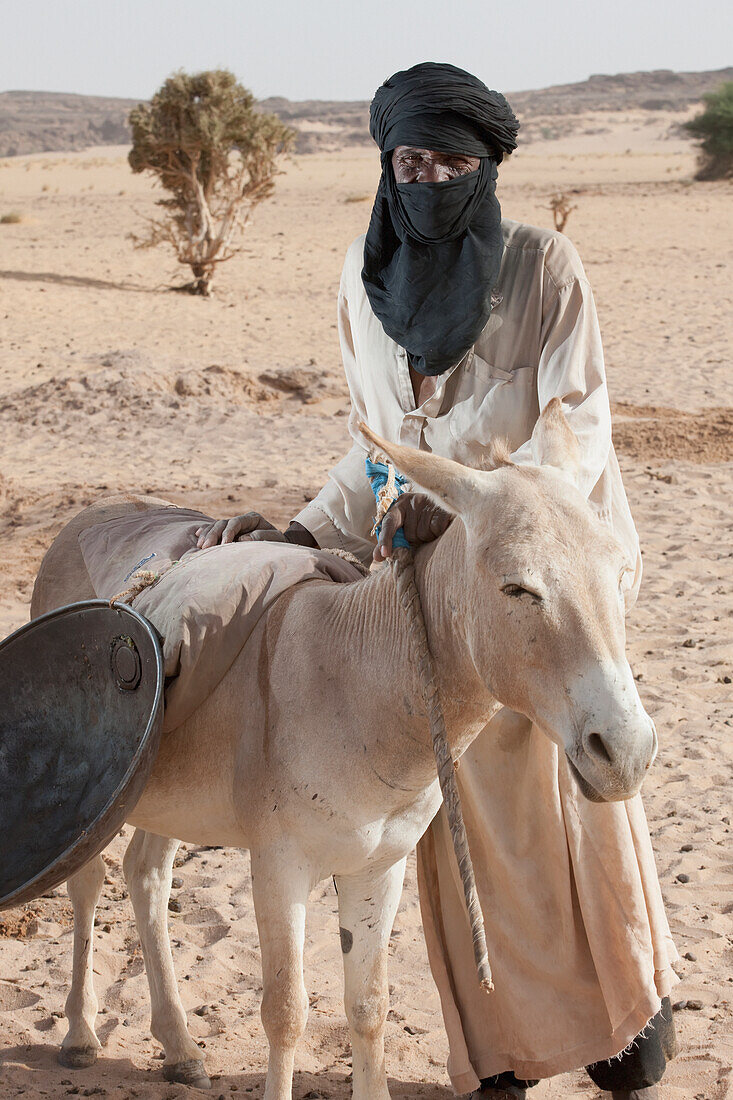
458	326
432	253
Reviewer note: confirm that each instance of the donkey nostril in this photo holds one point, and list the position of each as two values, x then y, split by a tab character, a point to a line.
595	747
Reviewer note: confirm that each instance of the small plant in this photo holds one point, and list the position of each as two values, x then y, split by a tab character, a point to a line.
216	157
13	218
561	208
714	129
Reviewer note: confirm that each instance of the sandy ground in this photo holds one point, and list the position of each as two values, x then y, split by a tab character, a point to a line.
109	381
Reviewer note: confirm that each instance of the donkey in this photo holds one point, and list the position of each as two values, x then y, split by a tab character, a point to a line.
314	750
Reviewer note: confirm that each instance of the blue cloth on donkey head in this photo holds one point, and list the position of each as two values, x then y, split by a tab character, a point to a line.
378	473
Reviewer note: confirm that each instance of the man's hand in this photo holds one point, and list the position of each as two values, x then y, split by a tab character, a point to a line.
250	525
421	520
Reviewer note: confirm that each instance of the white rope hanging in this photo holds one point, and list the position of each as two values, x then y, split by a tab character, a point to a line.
403	567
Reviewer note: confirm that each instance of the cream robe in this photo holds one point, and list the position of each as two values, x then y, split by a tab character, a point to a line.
577	935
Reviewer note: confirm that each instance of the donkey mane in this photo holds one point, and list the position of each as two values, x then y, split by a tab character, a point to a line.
496	455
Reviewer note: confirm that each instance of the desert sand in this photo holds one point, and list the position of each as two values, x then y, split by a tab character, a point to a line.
109	381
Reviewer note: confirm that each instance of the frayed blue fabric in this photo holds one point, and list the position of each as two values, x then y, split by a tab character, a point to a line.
378	472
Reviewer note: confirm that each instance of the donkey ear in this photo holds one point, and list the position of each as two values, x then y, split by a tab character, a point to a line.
554	442
454	487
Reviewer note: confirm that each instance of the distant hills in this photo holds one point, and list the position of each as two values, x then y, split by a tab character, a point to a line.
44	122
35	122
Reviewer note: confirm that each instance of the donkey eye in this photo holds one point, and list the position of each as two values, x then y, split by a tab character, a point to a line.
517	591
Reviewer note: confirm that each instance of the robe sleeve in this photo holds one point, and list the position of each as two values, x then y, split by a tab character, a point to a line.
571	367
342	514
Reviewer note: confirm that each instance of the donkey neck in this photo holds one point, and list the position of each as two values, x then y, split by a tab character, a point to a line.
445	593
366	620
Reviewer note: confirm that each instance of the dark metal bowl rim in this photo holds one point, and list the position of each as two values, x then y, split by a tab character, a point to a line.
125	609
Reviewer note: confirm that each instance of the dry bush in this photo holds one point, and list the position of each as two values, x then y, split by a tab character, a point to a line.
13	218
561	208
215	155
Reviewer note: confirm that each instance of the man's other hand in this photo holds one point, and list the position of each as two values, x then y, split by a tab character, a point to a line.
250	525
421	520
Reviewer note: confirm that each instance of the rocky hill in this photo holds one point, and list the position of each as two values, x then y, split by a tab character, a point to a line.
41	122
33	122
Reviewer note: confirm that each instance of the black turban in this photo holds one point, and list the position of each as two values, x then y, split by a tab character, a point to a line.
433	250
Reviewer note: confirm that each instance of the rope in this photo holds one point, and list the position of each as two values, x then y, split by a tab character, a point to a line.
403	568
141	579
388	485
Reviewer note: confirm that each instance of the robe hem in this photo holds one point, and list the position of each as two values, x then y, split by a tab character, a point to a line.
598	1050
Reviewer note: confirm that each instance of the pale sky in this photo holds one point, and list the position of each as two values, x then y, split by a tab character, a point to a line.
338	49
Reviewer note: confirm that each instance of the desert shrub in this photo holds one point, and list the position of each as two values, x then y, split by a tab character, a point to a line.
216	157
13	218
714	129
561	208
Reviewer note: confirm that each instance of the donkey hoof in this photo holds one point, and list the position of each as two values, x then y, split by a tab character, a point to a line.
191	1072
77	1057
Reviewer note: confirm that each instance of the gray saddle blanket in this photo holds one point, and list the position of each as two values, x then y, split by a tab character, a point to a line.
204	603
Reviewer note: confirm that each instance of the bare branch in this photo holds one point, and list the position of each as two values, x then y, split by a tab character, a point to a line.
561	210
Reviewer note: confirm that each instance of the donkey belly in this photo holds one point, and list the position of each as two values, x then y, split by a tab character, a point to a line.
187	804
190	794
211	785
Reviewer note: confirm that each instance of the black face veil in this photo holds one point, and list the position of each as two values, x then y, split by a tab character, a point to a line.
433	250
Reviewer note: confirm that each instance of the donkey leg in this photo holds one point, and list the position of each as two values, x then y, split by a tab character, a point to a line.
80	1046
148	865
280	888
367	907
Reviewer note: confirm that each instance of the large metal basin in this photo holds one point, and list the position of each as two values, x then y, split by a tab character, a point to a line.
81	708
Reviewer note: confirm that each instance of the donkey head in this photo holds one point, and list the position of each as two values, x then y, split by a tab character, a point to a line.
541	608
